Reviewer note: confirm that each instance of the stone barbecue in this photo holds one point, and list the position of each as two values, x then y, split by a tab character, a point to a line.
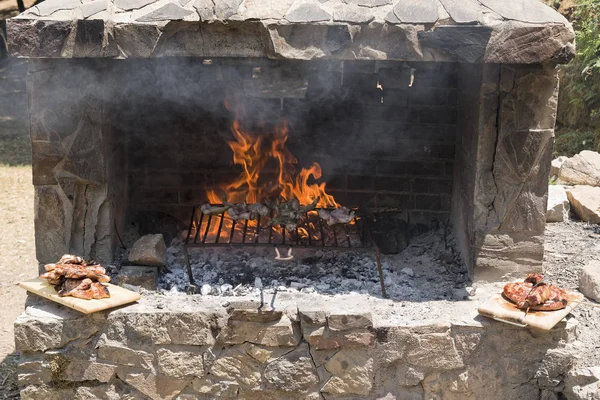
439	112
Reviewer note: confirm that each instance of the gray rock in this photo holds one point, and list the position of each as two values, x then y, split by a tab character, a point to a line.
115	353
585	203
168	12
462	43
93	7
558	204
138	275
369	3
129	5
589	280
48	7
417	11
226	8
280	333
581	169
180	364
307	11
556	165
462	11
524	10
351	13
149	250
205	9
261	9
293	372
352	372
583	384
348	320
434	350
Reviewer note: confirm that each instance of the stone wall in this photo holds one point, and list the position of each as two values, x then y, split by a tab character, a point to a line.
164	348
73	160
504	154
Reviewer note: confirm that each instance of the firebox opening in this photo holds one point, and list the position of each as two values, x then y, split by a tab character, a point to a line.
356	131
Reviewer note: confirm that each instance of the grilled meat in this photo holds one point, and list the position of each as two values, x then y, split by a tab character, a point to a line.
288	213
83	289
72	271
73	276
536	295
71	259
340	215
209	209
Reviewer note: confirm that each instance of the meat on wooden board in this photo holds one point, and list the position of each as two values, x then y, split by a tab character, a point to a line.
535	294
72	276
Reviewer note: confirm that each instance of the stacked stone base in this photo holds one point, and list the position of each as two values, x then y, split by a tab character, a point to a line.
194	348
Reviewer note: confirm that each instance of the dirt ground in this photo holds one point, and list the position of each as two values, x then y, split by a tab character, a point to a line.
17	250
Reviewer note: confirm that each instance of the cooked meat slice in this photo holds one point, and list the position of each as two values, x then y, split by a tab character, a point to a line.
209	209
80	271
517	291
76	288
84	289
340	215
71	259
49	267
52	277
534	278
99	291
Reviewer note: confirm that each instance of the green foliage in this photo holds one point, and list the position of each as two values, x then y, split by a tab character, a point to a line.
571	142
581	78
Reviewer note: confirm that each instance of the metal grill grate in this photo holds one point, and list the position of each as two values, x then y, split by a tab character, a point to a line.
311	232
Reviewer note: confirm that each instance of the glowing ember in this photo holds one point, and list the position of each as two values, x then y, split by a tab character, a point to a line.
260	155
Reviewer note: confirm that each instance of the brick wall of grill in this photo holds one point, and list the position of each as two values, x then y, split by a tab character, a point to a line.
387	147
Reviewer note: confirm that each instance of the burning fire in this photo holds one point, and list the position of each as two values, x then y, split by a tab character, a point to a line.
259	155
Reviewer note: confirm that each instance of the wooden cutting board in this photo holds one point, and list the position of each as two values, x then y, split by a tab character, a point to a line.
503	310
118	296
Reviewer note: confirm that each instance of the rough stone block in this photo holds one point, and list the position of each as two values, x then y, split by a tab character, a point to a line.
187	328
352	372
77	370
33	372
154	386
585	203
435	350
294	372
581	169
48	326
347	320
583	383
137	275
235	365
149	250
214	388
281	333
112	352
558	204
556	165
589	280
179	364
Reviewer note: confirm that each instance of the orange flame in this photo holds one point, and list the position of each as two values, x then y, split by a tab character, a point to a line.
259	156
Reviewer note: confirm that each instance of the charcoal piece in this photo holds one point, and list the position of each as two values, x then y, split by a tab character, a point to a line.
390	233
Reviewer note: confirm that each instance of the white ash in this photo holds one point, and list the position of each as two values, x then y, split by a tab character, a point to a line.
428	269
